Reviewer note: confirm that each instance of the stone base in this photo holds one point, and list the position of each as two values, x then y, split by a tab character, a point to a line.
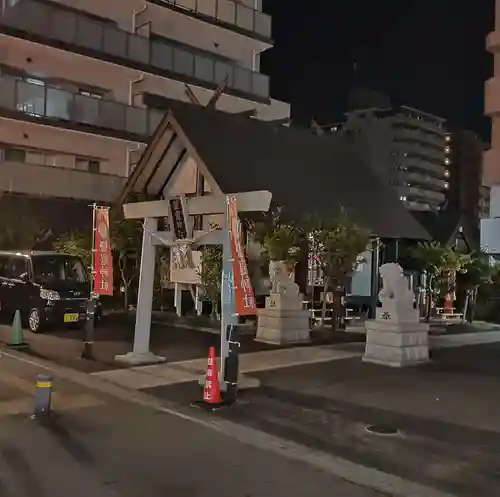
396	344
139	359
280	326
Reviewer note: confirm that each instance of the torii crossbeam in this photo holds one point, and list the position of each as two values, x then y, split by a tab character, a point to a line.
179	210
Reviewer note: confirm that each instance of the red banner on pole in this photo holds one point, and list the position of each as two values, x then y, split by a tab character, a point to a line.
243	291
103	260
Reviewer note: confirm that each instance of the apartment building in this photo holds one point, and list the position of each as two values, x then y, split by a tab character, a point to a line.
491	160
84	83
408	148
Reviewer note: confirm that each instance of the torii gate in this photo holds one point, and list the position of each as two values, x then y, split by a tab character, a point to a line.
179	210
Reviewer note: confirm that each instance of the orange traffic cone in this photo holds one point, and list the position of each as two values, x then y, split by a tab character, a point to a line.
211	391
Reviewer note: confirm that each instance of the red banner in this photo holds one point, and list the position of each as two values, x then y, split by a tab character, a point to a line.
243	291
103	261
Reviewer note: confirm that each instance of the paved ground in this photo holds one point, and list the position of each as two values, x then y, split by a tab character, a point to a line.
447	414
17	387
110	448
115	336
142	377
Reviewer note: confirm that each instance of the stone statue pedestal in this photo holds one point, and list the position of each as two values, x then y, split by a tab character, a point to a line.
396	337
396	343
283	321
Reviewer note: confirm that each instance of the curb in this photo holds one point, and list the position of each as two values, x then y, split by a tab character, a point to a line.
205	329
341	468
463	339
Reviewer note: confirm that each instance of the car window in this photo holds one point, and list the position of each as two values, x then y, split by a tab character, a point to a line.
17	268
4	262
58	268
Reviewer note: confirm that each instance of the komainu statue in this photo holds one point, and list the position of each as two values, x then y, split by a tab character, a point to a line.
396	297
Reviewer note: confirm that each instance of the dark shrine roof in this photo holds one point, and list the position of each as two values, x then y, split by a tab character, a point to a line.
306	173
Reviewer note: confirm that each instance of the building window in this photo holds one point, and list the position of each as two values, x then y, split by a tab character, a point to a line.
90	165
94	166
92	94
34	81
14	154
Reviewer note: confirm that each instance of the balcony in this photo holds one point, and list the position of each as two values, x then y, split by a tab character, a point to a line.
493	42
69	31
37	101
421	150
421	193
423	180
433	125
419	164
228	13
34	179
417	135
492	97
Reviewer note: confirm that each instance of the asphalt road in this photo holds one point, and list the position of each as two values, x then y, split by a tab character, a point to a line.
105	447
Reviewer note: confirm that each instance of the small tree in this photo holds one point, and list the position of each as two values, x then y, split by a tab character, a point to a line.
210	274
478	272
439	262
336	243
126	239
280	240
78	244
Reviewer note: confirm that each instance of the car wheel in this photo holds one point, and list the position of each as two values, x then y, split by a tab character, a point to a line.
35	323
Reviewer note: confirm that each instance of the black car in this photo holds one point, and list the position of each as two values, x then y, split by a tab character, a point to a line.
48	288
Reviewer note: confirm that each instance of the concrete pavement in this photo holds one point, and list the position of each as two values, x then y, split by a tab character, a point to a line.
142	377
17	388
447	414
113	448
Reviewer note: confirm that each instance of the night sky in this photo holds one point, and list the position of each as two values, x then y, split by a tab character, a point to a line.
429	54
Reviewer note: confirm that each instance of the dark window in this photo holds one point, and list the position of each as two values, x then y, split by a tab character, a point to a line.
90	165
14	154
17	268
58	268
94	166
4	262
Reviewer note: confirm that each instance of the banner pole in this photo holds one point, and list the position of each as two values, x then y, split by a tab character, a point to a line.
88	345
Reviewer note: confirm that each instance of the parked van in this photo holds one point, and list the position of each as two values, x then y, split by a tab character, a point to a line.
48	288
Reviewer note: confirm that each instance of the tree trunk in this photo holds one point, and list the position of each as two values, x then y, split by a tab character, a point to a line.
125	297
466	307
122	265
339	310
429	300
215	312
323	303
472	305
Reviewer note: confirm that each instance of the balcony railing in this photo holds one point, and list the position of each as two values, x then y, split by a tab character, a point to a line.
432	196
434	126
414	163
85	34
415	134
227	11
35	179
421	150
423	180
51	103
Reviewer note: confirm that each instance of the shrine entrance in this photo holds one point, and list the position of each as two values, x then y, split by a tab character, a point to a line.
192	207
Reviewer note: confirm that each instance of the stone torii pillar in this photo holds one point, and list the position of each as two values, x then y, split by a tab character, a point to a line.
179	210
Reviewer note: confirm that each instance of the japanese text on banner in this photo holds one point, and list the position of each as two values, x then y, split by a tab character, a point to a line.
243	291
103	261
